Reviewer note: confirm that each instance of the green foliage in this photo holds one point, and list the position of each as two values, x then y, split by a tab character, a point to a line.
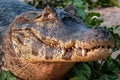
90	4
44	3
105	70
81	71
118	60
100	3
80	7
5	75
92	19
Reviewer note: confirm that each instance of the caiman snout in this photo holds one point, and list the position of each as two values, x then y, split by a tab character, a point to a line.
93	44
96	37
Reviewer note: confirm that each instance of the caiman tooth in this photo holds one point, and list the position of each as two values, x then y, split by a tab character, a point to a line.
76	46
63	51
84	52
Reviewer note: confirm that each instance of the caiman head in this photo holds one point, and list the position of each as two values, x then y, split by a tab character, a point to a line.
56	35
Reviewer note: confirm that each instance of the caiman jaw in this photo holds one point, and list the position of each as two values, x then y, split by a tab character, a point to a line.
54	40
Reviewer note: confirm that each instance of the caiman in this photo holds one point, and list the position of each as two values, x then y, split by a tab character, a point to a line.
45	44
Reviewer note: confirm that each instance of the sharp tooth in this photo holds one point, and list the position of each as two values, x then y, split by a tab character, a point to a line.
83	52
76	46
63	51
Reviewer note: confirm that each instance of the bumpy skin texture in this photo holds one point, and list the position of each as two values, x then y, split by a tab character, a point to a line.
38	44
9	9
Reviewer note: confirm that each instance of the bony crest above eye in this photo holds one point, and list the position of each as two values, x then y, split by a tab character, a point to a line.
47	14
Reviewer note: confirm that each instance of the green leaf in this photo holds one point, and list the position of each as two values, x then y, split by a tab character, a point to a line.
117	27
118	61
5	75
79	8
108	77
82	77
104	77
80	13
77	3
92	19
118	57
11	78
110	66
84	68
80	72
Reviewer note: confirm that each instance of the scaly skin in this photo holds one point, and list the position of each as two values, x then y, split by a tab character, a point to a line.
44	45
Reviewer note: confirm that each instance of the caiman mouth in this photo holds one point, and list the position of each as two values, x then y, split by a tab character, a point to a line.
91	54
83	52
81	48
79	51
